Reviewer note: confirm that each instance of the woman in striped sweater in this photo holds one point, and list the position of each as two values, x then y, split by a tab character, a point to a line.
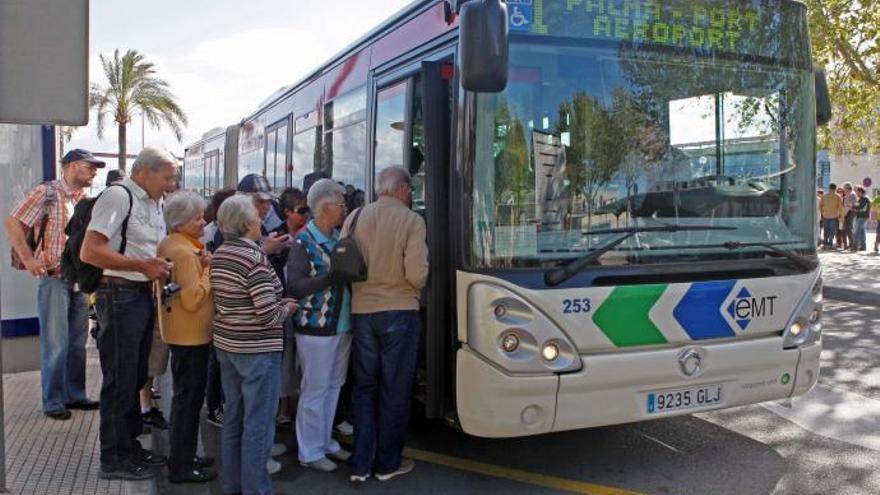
248	336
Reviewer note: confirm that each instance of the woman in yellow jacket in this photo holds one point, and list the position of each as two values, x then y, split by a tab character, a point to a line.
186	316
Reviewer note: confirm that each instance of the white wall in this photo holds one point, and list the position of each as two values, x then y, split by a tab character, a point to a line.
855	168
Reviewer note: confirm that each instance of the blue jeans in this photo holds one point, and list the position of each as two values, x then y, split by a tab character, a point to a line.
64	324
829	231
385	350
860	237
251	385
125	336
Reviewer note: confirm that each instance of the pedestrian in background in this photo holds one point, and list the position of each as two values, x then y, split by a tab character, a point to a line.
861	212
61	308
849	205
322	324
831	206
249	339
185	322
126	310
387	325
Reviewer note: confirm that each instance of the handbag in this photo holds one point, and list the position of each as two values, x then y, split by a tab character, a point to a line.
347	263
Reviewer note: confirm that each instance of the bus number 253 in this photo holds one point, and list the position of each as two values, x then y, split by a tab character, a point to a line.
570	306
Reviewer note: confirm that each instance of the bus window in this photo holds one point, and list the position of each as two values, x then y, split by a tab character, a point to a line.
306	148
391	126
345	139
276	155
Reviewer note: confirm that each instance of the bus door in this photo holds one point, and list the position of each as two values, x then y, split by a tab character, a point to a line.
412	128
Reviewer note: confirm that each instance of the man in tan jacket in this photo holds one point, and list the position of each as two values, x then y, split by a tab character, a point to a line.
387	325
831	206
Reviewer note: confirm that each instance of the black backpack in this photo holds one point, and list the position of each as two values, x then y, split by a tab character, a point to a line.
72	267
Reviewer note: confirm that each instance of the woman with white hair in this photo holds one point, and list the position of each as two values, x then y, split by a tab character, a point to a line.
248	338
185	323
322	325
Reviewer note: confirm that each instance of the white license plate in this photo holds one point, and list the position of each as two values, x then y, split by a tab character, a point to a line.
661	401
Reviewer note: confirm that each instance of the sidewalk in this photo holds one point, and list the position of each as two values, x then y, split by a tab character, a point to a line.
852	277
44	456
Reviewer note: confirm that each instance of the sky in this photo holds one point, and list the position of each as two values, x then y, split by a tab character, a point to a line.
220	57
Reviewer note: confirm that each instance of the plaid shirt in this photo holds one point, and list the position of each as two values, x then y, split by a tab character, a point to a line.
30	212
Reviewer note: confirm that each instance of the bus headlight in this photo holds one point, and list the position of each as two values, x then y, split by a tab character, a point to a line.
510	343
550	351
505	328
805	326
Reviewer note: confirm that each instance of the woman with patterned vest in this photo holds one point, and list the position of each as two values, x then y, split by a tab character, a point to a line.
322	325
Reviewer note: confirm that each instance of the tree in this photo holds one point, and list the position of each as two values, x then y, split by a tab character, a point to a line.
846	41
133	88
64	135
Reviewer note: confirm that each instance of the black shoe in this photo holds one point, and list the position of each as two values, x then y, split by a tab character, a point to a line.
215	417
196	475
59	414
203	462
127	471
150	458
154	417
84	405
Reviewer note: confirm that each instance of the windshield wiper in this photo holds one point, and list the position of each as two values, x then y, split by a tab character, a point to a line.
797	259
559	275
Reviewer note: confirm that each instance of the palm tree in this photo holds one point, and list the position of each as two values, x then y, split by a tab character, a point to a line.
134	88
65	133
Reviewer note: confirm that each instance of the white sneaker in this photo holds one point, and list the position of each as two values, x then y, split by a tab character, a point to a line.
323	464
406	465
278	449
345	428
340	455
359	478
273	466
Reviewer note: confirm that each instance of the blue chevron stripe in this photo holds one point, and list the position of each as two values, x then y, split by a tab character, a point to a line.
700	310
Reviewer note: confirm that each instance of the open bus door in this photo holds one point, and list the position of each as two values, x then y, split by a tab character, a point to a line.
412	126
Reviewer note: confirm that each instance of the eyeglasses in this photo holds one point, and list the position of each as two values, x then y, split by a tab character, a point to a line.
302	210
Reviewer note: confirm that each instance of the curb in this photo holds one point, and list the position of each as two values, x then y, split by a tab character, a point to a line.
851	296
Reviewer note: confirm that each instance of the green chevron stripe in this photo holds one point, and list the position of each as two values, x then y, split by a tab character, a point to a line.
623	317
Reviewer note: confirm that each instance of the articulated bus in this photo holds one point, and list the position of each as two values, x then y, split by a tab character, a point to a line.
619	198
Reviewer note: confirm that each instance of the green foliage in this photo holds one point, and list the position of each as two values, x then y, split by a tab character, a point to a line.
134	88
846	41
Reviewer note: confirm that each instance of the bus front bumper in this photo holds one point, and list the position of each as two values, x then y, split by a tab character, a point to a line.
614	388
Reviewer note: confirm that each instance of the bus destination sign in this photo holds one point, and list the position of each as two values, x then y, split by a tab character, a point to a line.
707	25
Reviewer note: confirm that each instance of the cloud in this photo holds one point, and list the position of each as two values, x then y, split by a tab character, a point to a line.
223	77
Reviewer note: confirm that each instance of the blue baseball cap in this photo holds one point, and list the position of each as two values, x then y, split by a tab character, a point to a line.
80	154
255	184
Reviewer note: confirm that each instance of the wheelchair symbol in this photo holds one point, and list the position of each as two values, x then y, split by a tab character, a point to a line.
517	18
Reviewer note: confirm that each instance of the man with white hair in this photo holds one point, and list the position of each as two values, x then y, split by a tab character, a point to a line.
126	310
386	325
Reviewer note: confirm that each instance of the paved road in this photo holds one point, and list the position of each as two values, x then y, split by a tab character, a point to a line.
827	442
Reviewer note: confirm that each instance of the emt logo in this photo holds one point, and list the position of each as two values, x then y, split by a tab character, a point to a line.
746	308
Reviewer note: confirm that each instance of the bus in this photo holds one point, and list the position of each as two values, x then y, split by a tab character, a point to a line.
619	197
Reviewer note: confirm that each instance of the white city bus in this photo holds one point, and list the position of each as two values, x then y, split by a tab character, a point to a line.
619	198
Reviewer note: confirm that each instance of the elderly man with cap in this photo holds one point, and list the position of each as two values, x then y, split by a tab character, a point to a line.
259	189
62	308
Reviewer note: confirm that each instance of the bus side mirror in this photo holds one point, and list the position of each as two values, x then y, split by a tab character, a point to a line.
823	98
483	48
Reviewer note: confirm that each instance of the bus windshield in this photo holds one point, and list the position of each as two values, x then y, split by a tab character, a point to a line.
613	122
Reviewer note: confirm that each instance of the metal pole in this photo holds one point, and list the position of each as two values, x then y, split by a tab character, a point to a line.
2	426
